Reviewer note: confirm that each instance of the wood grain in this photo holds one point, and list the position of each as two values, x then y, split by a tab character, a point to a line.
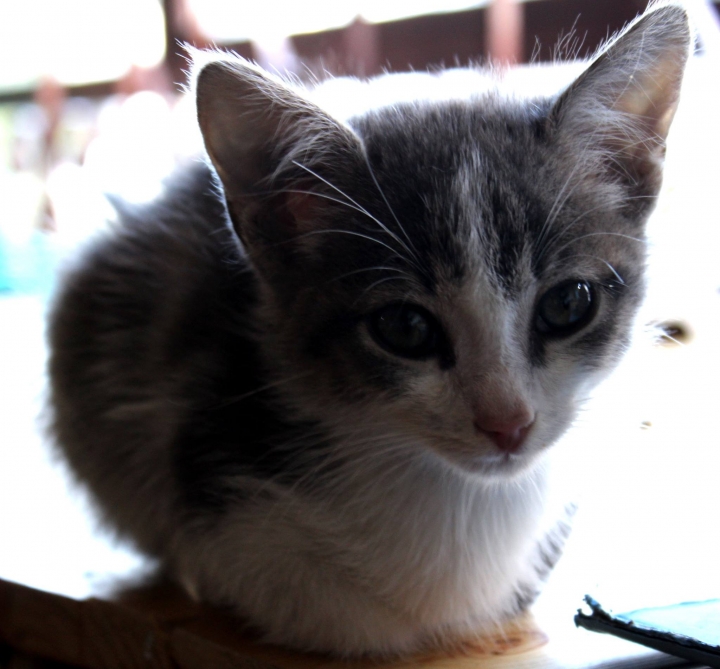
158	627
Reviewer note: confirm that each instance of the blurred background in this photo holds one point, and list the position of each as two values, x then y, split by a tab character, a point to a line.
91	104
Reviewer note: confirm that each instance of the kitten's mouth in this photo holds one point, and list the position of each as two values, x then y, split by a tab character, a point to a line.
502	462
502	465
493	463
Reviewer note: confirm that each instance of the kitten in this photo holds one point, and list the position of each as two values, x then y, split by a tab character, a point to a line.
319	377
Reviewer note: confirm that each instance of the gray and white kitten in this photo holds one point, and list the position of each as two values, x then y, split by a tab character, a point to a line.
319	377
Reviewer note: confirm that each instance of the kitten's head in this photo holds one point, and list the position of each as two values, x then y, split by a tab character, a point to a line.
449	277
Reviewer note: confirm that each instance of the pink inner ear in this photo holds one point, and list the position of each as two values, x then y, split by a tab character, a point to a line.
651	96
304	209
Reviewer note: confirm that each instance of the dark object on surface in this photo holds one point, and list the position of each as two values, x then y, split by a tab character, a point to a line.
690	630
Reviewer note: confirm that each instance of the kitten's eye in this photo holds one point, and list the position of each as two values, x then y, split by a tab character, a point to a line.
565	308
406	330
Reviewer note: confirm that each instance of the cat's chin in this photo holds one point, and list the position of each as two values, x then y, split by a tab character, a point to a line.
496	466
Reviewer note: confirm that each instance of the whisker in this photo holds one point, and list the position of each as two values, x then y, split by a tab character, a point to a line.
387	203
269	386
551	240
376	283
556	208
549	244
338	201
362	210
324	196
379	268
605	262
599	234
350	232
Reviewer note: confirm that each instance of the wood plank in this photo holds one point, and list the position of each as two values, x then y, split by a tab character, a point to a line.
90	633
159	627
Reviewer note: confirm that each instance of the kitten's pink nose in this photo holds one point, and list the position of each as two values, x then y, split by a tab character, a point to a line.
509	434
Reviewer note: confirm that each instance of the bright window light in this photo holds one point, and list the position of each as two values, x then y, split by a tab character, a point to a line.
77	41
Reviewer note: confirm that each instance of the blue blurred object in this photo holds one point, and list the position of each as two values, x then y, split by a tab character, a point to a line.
27	268
5	281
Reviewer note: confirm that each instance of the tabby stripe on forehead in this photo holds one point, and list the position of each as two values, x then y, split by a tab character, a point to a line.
511	240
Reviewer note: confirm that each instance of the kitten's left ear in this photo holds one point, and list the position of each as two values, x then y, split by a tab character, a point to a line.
270	146
620	109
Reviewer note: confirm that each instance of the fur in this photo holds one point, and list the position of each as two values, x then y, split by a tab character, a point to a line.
220	377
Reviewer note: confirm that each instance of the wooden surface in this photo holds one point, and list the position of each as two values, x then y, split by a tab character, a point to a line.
159	627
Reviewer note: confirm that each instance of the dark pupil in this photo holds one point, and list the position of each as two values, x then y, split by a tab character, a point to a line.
405	330
566	305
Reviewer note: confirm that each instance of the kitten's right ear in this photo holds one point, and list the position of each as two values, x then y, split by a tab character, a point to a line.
618	112
263	137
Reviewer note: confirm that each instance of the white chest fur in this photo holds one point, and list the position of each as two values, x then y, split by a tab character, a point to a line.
402	553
